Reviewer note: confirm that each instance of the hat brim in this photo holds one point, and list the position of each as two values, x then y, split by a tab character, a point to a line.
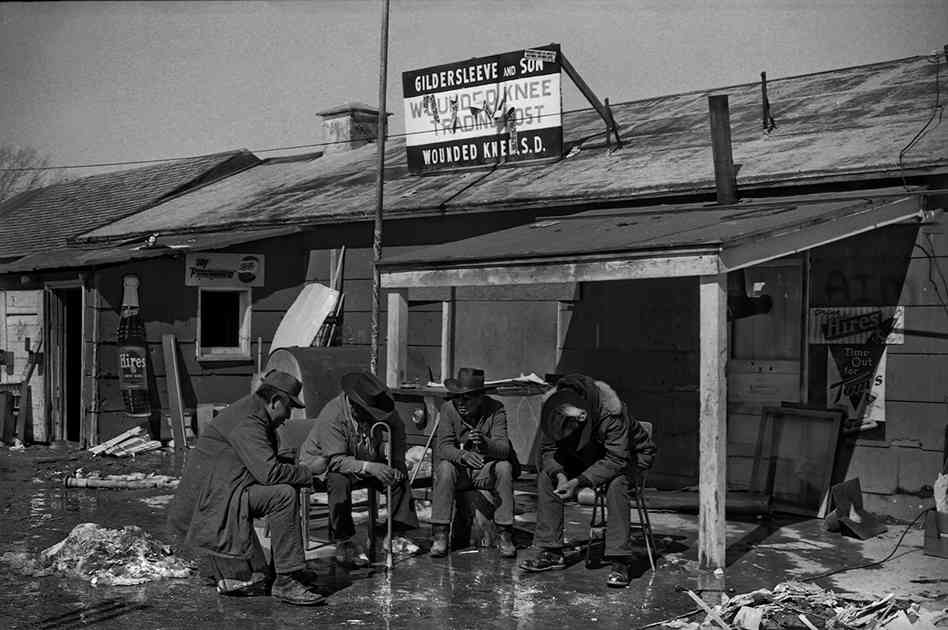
296	402
375	412
454	386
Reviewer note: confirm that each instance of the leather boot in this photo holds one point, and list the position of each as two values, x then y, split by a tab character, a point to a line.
506	544
439	541
292	590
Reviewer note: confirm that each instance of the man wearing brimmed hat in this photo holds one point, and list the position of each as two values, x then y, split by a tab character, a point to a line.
585	437
233	475
342	448
473	451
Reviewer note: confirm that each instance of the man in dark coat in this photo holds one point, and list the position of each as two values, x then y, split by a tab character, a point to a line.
586	433
342	448
233	475
472	451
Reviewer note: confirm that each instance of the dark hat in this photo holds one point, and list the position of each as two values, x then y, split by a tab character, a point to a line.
551	422
468	380
286	383
369	393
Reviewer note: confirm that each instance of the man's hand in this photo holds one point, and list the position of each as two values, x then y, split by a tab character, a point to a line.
386	475
472	459
566	489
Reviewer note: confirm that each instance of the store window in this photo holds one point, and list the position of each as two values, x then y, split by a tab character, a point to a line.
223	324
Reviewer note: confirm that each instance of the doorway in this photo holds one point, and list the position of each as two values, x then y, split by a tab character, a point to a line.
64	362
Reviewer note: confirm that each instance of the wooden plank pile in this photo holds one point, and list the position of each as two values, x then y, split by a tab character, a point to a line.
133	442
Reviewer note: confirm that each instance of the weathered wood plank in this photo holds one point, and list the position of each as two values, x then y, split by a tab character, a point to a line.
916	377
397	342
557	273
712	488
922	421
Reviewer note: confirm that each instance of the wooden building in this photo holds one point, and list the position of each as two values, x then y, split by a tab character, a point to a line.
617	262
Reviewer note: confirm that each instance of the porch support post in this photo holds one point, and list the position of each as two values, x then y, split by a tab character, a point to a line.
396	359
712	443
447	337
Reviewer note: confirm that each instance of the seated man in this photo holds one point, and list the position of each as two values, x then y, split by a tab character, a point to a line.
473	451
585	436
233	476
342	446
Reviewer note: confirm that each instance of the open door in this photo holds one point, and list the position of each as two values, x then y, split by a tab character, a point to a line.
64	361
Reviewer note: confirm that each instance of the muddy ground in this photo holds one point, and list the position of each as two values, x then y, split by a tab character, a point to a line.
469	589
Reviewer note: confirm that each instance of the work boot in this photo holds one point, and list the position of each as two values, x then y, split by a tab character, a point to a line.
506	544
547	559
288	588
439	544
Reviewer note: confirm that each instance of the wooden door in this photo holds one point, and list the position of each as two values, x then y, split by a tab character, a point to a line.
21	318
763	367
55	363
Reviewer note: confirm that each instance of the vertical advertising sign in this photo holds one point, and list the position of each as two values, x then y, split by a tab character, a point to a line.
499	109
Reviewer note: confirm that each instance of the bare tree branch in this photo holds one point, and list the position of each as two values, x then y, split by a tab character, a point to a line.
21	170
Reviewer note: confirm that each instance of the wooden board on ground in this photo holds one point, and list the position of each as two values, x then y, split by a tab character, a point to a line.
169	349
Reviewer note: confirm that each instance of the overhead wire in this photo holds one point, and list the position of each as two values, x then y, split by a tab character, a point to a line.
937	109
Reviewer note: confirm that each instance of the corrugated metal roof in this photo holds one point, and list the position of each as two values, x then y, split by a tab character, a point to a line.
89	255
652	230
838	125
45	218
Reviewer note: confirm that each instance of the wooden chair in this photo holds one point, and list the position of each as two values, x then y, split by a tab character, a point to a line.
637	499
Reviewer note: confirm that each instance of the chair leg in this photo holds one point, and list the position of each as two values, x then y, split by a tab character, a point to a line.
304	516
373	519
646	526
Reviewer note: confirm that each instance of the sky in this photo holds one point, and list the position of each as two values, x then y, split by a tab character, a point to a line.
97	82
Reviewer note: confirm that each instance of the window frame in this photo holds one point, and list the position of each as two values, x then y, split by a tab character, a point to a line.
240	352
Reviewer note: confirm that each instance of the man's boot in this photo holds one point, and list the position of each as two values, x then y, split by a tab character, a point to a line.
292	590
439	541
506	544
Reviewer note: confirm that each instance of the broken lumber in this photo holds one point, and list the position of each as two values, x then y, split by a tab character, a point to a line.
118	439
144	448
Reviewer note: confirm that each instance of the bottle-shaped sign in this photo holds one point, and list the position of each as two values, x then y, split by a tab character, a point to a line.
133	370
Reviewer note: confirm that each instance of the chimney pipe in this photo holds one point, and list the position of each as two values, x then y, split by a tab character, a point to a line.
724	176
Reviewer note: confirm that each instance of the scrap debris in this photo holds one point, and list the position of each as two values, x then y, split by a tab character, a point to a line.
802	605
117	557
127	444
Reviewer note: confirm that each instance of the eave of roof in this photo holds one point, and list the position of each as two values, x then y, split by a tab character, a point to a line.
711	237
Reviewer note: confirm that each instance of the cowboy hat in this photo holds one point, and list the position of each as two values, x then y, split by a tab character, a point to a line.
469	380
369	393
286	383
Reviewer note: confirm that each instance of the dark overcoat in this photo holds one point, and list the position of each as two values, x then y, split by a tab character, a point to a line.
238	449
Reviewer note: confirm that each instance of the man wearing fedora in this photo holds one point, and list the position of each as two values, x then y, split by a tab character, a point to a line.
342	448
587	440
473	451
232	476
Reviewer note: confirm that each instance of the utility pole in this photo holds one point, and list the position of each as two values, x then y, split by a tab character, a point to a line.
380	181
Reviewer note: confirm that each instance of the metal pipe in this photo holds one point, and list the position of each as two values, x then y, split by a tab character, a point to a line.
388	490
724	177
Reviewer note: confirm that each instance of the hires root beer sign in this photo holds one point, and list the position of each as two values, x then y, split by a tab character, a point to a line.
504	108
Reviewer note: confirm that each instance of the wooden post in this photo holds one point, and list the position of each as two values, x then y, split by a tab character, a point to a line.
379	196
724	177
712	445
397	348
447	337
